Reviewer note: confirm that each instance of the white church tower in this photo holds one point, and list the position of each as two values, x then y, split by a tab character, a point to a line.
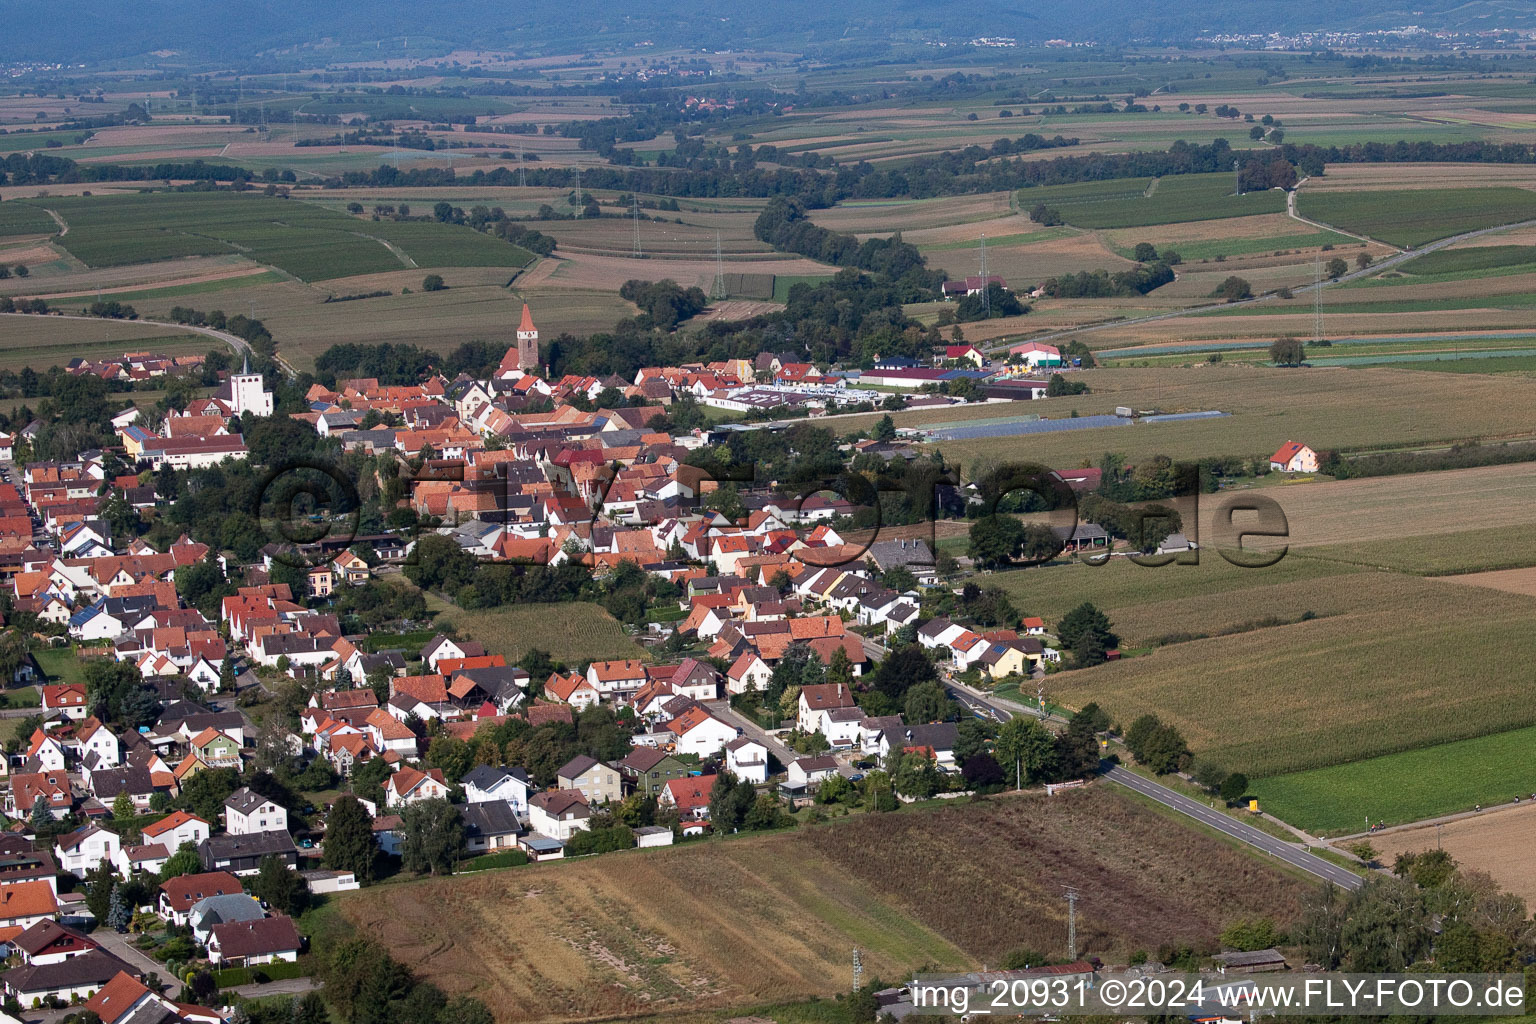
247	393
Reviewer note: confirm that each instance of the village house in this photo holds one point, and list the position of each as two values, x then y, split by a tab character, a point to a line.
593	779
1293	457
558	814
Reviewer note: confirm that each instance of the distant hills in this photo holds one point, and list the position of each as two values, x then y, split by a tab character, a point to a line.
91	30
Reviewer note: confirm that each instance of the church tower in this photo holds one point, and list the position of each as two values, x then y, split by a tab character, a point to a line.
527	343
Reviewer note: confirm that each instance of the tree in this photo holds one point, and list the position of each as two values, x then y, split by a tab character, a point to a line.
1233	289
1245	935
729	801
1158	746
433	283
927	702
884	429
1287	352
1363	260
901	670
1233	787
995	540
1145	252
184	861
1024	750
916	775
99	884
119	914
1086	621
432	836
349	844
281	887
1336	268
122	807
981	771
834	789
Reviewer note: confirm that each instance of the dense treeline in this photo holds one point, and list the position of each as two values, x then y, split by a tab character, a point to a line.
784	225
1101	284
1461	456
665	304
396	364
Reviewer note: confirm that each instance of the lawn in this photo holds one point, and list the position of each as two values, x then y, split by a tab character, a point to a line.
573	632
1134	202
60	664
954	886
1407	786
1373	678
1433	213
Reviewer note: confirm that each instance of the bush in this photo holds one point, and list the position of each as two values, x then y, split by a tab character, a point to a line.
499	859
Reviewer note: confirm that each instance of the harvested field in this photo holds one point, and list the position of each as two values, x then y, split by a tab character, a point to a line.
1511	581
1331	408
736	309
1370	177
1391	507
1502	843
956	886
587	271
879	217
1353	685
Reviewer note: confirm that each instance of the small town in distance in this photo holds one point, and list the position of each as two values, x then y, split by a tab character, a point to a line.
560	516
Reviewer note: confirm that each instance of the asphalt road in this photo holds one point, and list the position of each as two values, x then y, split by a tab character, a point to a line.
722	710
1279	849
1290	853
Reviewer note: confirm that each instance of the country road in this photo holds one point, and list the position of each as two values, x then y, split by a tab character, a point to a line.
240	346
1293	854
1173	314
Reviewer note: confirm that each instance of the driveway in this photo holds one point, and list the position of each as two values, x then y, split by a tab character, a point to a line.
121	946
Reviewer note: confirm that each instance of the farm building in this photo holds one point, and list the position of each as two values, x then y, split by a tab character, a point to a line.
1035	354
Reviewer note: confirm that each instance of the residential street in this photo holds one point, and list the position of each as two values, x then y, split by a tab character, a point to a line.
722	710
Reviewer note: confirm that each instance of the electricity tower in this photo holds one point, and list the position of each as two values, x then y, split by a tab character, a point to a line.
719	289
635	208
986	290
1071	897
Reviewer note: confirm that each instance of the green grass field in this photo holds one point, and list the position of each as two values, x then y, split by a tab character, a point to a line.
306	241
1481	257
1407	786
1434	213
1125	202
572	632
